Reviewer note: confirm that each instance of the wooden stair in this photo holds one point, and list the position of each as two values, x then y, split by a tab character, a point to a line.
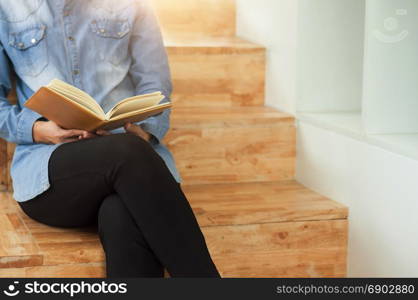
237	159
268	229
230	145
196	17
216	72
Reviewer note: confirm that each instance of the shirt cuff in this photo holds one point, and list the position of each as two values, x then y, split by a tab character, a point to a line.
25	126
153	139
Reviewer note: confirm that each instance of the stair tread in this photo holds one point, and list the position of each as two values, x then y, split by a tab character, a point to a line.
260	202
213	204
209	117
187	43
206	17
207	41
283	220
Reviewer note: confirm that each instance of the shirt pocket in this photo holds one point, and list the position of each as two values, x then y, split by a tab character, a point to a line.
28	50
111	38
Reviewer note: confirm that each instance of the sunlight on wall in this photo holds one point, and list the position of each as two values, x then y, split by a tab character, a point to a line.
273	24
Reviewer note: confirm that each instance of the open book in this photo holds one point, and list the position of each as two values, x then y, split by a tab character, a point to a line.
71	108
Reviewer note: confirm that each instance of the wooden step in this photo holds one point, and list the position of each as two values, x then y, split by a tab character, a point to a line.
242	144
207	73
274	229
218	145
6	154
196	17
4	172
216	72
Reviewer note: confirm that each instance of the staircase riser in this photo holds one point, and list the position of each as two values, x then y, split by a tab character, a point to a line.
6	151
3	166
218	80
6	154
294	249
231	155
187	16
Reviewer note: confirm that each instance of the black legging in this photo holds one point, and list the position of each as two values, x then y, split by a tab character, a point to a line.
144	220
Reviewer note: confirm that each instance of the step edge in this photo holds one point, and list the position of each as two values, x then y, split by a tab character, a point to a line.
39	260
298	220
206	116
212	44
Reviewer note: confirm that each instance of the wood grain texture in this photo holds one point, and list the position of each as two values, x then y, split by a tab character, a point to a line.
10	151
89	270
17	246
196	17
6	152
296	249
277	229
232	145
289	264
177	44
258	203
58	253
4	174
220	74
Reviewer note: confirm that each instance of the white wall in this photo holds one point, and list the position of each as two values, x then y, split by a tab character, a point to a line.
390	101
378	186
380	189
273	23
330	55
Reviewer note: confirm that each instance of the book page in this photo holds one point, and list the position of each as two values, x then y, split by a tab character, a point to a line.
135	104
76	95
135	116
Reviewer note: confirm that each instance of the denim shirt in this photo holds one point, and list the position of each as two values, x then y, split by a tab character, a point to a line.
112	49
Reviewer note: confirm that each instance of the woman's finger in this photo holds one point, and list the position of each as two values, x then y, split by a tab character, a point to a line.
73	132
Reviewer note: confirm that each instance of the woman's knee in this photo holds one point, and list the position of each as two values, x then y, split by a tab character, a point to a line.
134	152
127	147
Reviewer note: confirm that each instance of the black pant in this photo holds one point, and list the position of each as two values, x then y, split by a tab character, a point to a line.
144	220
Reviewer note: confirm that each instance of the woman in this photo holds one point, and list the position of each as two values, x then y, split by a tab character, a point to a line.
125	181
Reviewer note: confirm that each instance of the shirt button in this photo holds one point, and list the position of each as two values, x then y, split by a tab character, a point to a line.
71	38
76	72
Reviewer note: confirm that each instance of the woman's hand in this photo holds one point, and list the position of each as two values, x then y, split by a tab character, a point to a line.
50	133
135	129
130	128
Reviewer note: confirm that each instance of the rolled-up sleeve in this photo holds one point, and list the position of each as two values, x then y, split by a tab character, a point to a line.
150	70
15	123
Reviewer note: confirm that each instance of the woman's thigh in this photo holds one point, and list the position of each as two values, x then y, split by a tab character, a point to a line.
78	174
70	202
